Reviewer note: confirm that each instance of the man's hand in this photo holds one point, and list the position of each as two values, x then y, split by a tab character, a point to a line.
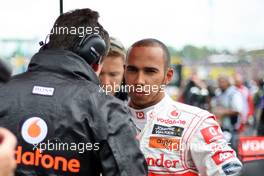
7	152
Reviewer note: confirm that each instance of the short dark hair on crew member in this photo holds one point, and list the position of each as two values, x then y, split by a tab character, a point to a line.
154	43
79	18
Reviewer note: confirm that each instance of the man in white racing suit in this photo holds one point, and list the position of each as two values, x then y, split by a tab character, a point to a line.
176	139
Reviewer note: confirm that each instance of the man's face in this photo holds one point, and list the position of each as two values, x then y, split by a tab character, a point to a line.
238	80
112	72
223	84
146	73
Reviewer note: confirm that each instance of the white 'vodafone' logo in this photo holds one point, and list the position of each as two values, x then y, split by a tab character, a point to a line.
34	130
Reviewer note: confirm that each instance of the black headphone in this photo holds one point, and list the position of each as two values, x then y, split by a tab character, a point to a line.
91	48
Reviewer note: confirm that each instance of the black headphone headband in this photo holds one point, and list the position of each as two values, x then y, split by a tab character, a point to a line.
91	48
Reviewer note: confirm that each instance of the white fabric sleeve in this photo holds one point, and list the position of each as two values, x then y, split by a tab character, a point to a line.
211	153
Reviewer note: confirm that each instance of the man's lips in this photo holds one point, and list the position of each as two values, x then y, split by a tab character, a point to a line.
139	90
140	93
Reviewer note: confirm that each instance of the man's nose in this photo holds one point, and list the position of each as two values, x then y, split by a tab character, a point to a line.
140	79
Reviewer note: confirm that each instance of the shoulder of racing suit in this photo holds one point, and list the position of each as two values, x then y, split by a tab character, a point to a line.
210	153
179	139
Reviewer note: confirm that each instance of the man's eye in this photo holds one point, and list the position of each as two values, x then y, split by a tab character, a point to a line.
131	69
113	74
150	71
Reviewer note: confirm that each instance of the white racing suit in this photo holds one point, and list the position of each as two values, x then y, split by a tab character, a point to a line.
179	139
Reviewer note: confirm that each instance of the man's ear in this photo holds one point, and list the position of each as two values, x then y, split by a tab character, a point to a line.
169	76
97	68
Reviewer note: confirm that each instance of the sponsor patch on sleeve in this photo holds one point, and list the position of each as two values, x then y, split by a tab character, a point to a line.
231	168
211	134
221	157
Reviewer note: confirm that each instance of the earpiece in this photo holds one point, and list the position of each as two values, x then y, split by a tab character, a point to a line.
91	48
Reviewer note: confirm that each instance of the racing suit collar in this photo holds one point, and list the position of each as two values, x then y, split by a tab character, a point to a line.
62	61
141	116
158	105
